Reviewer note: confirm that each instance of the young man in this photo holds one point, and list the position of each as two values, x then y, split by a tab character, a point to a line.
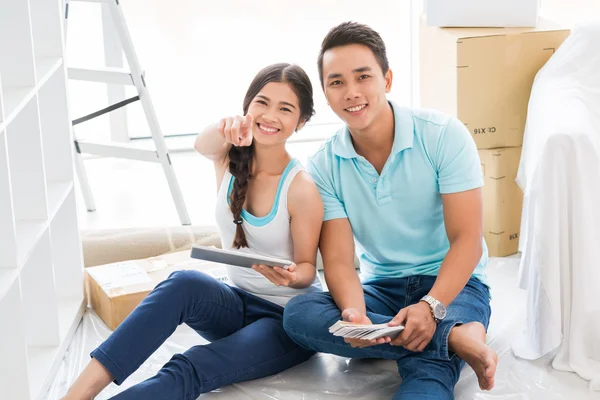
404	187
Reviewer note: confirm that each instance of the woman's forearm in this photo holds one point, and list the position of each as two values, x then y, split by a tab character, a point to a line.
306	275
211	144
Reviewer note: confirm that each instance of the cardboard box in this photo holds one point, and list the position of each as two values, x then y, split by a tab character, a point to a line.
482	13
502	200
114	290
484	76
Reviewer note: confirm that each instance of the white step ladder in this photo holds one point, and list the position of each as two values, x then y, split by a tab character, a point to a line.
121	77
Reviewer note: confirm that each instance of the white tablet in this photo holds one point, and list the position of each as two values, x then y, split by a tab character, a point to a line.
237	258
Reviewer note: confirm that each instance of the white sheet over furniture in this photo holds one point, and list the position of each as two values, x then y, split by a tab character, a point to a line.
327	377
560	176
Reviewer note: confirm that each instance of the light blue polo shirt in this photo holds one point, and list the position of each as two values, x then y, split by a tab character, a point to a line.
397	217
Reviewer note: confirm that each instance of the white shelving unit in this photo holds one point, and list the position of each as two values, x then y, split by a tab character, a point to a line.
41	263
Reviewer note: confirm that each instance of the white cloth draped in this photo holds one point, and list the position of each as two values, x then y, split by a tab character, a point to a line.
560	229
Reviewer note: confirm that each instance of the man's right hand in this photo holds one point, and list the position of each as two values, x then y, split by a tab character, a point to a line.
237	130
357	317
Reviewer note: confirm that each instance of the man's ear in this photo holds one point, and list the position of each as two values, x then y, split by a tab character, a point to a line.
388	80
300	125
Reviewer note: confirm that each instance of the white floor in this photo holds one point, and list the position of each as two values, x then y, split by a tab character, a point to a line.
327	377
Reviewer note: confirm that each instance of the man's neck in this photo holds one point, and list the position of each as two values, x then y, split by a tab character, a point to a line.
376	141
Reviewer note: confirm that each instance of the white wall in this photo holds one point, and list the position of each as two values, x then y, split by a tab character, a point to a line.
200	56
571	12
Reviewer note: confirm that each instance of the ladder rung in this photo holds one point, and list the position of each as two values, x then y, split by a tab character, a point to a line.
116	76
120	150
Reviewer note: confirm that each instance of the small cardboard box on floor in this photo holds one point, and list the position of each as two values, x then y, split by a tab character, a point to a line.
114	290
502	200
484	76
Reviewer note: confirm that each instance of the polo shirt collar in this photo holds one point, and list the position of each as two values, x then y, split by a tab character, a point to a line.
403	134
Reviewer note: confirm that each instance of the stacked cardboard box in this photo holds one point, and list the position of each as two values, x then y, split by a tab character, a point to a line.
484	77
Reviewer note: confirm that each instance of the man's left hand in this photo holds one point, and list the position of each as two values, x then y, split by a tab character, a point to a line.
419	327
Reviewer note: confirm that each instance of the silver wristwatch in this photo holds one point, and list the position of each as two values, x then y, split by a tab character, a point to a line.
438	310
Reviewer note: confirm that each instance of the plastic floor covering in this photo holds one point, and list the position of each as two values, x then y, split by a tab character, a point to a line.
330	377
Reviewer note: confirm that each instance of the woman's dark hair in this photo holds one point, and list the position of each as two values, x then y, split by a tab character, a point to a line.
348	33
240	158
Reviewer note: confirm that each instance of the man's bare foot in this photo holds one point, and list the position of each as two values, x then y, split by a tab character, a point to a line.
468	342
483	360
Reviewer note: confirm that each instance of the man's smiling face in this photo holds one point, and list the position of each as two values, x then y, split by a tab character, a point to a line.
354	84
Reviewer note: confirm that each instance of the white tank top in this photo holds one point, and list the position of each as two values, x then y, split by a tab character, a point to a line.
269	235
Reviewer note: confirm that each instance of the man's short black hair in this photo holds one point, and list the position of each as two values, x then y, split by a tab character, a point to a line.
354	33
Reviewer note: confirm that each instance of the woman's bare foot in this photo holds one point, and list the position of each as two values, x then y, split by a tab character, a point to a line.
92	380
468	342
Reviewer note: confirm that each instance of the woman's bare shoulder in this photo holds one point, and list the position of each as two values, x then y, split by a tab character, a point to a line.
303	193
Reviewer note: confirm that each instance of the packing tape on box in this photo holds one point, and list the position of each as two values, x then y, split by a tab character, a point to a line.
118	275
114	278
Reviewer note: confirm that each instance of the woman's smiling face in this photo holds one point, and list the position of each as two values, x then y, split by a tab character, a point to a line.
276	113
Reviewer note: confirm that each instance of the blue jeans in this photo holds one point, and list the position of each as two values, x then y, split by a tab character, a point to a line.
427	375
247	335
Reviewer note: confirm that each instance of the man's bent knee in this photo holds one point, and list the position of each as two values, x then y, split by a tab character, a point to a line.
297	312
425	378
306	315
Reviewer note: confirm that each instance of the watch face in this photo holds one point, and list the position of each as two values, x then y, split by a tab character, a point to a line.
439	311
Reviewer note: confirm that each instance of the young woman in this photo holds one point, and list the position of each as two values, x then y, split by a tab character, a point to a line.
267	204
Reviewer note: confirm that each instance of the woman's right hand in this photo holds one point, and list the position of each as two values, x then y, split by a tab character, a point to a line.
237	130
278	275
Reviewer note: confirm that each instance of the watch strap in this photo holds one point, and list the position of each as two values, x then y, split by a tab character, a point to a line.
432	303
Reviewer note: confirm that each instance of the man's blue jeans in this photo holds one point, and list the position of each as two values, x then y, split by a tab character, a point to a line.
428	375
248	339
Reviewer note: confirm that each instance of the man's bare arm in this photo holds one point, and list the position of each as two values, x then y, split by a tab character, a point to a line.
463	218
337	249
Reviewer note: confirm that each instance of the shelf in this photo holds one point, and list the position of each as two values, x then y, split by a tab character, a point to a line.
7	278
57	193
1	108
26	165
40	361
13	369
8	251
45	68
40	305
56	130
29	234
70	311
46	30
43	362
16	63
15	98
66	250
